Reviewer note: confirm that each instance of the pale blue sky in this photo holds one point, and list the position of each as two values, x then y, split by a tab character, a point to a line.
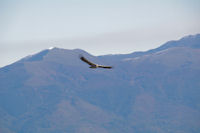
99	27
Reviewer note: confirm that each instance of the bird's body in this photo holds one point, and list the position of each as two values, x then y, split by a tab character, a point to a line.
92	65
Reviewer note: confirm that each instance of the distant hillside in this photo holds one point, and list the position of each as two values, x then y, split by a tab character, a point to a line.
53	91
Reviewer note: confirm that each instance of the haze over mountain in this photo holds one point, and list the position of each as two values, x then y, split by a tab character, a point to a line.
53	91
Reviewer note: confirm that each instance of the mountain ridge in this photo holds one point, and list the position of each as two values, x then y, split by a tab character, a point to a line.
170	44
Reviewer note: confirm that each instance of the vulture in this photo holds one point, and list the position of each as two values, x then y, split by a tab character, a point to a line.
92	65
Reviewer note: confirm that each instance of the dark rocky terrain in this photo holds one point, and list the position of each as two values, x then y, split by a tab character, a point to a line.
156	91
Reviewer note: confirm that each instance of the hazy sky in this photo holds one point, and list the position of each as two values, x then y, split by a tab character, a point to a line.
97	26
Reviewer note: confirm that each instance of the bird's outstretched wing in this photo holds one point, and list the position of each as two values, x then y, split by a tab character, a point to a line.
88	62
108	67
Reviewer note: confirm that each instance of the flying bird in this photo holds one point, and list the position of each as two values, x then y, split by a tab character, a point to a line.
92	65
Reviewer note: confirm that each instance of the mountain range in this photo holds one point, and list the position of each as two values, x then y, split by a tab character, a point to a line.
53	91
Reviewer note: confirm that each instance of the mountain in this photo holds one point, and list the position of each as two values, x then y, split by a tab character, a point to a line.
54	91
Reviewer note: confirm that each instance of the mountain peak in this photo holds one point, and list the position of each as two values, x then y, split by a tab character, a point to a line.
191	37
191	41
58	55
50	48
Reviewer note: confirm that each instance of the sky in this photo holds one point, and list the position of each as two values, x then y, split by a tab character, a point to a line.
98	26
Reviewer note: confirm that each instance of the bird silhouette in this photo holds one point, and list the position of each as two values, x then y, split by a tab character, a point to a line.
93	65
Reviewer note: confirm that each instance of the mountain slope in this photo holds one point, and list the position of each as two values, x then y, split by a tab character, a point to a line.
53	91
191	41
